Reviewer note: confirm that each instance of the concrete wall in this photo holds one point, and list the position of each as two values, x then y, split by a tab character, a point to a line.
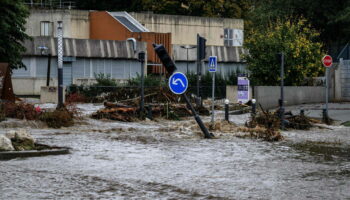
184	29
268	96
29	86
76	23
50	94
342	80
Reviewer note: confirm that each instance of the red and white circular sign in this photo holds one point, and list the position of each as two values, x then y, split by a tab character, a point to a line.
327	61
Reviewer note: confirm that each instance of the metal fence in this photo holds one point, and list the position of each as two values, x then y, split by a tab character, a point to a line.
51	4
117	93
345	79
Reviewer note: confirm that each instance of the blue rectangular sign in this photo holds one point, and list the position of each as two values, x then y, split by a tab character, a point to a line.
213	63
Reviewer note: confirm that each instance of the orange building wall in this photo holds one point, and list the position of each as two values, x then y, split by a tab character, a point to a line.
105	27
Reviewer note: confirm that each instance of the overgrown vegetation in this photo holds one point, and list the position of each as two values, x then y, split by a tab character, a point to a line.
149	81
301	48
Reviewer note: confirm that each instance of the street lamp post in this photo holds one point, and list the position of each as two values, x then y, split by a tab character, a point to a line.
187	47
60	63
45	51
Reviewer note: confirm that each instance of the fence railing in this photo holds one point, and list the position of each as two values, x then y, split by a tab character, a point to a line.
57	4
115	93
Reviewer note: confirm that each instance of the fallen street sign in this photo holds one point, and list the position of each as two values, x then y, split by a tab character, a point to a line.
178	83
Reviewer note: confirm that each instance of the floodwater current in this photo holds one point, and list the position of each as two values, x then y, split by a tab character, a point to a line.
167	160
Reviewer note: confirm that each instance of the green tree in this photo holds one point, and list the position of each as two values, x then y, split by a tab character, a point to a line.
299	43
330	18
13	14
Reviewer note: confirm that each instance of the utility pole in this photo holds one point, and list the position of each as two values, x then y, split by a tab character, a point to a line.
281	100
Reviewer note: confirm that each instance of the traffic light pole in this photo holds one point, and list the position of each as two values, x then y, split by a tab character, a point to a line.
200	56
171	68
197	118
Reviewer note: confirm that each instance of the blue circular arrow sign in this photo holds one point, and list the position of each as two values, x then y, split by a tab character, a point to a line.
178	83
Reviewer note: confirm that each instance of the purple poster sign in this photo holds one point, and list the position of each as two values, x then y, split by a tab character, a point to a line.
243	90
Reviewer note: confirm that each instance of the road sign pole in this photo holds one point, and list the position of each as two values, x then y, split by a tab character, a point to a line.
282	92
213	100
327	61
327	74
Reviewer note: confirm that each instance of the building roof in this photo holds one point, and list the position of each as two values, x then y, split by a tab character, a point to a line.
84	48
129	22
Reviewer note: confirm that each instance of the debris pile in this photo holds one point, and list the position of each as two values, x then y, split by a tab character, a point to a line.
58	118
54	119
158	103
127	113
267	134
272	120
222	126
19	111
117	112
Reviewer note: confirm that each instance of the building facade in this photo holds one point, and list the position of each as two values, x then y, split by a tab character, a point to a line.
43	22
217	31
97	42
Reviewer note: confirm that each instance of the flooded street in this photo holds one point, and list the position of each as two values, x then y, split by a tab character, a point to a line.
169	160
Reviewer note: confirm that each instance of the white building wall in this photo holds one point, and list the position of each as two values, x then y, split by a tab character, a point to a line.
184	29
76	23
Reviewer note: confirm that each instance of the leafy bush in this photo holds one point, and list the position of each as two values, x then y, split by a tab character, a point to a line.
149	81
76	98
104	83
104	80
206	83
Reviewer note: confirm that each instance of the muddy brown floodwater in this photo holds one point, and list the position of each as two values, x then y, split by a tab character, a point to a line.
169	160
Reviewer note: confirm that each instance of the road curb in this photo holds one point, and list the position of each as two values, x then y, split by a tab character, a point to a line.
7	155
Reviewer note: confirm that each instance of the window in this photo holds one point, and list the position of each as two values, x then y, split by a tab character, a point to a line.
45	28
233	37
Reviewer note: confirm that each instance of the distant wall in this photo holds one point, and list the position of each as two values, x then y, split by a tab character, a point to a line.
268	96
76	23
185	28
30	86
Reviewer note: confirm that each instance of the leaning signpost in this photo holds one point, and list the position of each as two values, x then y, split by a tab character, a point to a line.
327	61
213	64
178	84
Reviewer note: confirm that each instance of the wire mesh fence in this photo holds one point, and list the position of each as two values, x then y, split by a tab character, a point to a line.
118	93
